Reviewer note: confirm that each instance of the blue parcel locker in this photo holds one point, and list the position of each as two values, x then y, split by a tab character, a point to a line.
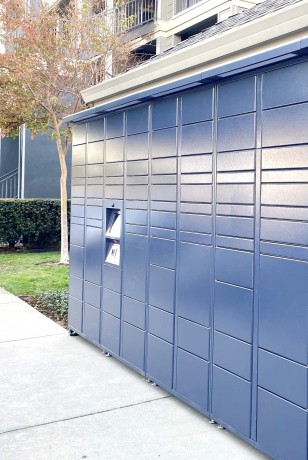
189	248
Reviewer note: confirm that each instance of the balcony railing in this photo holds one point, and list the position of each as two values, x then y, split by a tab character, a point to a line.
140	11
181	5
9	185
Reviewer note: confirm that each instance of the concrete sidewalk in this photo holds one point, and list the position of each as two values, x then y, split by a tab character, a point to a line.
61	398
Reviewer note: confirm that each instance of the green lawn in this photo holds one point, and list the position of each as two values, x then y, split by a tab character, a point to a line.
22	274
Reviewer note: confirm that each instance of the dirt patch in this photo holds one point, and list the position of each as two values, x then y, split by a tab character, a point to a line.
31	300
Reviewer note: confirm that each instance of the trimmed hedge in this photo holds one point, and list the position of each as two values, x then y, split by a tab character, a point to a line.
36	222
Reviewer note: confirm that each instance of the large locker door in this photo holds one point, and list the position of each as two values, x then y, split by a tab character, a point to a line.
283	304
195	258
234	254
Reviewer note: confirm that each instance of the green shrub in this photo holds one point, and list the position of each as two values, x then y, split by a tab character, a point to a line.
55	302
37	222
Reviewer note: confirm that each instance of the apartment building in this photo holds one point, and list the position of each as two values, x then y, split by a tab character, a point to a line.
170	21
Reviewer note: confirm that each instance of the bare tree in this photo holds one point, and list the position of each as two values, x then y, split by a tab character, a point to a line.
52	53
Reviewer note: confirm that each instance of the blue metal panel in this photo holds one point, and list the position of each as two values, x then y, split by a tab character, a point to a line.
286	125
110	333
194	338
196	223
76	261
94	212
283	377
115	126
137	147
283	307
285	232
282	427
235	226
277	89
134	312
133	345
137	120
197	138
160	360
196	164
137	217
236	133
164	114
75	314
161	289
235	243
288	194
96	170
233	355
135	262
197	106
78	171
194	290
193	389
112	302
163	252
115	149
91	321
284	250
233	311
293	156
161	324
93	255
114	169
79	133
137	168
92	294
236	97
231	400
79	155
137	192
76	287
163	219
196	193
235	194
227	259
112	278
164	143
164	166
77	235
163	192
95	152
96	130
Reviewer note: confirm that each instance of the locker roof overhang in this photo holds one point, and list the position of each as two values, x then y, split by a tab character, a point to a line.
253	61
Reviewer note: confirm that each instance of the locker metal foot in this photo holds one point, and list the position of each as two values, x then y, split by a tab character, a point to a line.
211	421
72	333
148	381
220	427
154	384
108	355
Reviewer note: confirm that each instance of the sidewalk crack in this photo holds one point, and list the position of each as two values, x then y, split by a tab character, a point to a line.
84	415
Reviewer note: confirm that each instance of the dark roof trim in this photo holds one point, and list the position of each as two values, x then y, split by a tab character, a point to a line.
266	58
